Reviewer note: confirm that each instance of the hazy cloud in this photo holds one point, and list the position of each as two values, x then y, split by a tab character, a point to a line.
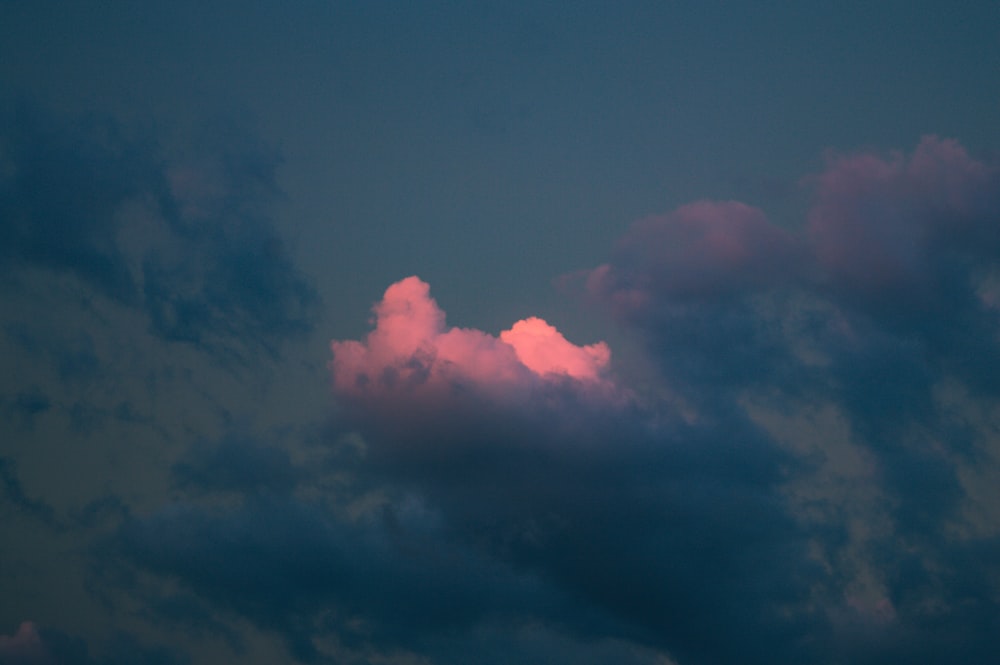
191	242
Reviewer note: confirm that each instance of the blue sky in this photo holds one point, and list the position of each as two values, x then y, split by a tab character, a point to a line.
754	420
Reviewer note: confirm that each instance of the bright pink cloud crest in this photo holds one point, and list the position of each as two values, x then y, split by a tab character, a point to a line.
543	350
412	349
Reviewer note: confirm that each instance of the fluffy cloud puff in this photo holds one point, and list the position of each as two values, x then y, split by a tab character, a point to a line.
886	229
411	350
702	250
881	229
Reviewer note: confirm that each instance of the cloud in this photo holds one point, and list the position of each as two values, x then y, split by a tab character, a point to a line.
515	496
12	491
877	307
411	350
190	242
24	647
61	189
701	250
238	464
888	229
801	488
292	567
612	502
226	275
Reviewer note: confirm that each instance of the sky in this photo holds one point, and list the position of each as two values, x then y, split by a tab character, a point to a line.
385	333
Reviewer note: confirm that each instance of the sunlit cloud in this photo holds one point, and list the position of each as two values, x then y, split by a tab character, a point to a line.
413	351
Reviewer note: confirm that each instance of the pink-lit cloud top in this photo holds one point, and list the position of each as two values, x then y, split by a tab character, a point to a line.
879	223
703	249
880	228
412	352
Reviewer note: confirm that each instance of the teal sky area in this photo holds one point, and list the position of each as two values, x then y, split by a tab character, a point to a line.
511	143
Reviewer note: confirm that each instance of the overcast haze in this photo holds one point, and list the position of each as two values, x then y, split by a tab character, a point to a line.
446	333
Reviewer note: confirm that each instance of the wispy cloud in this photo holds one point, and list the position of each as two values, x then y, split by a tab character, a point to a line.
190	242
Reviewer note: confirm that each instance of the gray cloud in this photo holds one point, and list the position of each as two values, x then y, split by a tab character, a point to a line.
882	303
191	242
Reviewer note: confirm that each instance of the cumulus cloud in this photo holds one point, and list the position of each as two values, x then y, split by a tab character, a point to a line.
880	228
886	228
610	501
527	504
701	250
412	350
876	308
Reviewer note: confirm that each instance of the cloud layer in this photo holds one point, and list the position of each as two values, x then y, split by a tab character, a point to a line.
189	242
808	478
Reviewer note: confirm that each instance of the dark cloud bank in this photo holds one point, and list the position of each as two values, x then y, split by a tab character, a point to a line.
189	241
809	483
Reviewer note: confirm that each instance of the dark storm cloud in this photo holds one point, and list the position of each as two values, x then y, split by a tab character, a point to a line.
689	281
885	296
293	567
62	185
624	506
300	566
191	243
238	464
900	252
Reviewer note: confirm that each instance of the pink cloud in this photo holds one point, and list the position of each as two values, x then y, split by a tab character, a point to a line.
878	222
881	229
704	249
412	351
24	647
542	349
